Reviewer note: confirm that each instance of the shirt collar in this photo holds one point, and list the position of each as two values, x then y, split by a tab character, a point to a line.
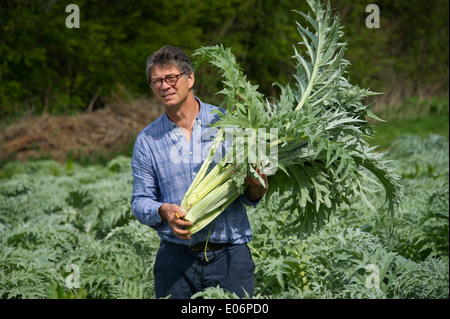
202	114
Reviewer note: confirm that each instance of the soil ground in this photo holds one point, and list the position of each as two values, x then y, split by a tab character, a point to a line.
109	129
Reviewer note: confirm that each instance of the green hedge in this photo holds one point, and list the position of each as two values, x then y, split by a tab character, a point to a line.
48	67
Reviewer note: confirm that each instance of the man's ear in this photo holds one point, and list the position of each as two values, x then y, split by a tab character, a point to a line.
191	80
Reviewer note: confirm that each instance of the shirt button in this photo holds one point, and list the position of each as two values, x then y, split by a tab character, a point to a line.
194	173
190	153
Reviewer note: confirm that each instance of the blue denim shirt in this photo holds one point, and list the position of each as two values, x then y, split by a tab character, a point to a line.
164	165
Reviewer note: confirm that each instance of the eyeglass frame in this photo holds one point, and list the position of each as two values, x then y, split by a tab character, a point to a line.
161	81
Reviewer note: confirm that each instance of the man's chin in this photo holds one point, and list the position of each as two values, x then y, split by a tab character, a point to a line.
170	101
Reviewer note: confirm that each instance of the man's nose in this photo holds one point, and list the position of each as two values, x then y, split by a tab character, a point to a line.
164	85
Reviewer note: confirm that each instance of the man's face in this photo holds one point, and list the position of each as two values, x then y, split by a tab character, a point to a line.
171	95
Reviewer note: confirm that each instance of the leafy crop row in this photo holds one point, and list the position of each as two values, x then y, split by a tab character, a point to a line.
54	215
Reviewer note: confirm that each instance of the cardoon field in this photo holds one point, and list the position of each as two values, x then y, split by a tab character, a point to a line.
66	231
358	204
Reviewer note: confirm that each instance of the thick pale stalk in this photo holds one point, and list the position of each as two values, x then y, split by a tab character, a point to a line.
231	195
211	201
205	187
203	169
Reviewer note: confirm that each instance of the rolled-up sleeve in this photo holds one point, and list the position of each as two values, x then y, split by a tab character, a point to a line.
144	204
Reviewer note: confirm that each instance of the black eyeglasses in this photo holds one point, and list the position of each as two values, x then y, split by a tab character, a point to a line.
171	80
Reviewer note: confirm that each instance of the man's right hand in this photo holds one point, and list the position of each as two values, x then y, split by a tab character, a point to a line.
174	216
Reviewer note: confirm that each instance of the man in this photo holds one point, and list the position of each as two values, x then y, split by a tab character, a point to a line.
161	179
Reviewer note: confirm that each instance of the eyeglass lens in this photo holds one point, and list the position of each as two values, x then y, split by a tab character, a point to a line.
170	80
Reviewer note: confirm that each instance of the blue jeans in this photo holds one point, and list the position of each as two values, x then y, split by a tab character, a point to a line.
181	272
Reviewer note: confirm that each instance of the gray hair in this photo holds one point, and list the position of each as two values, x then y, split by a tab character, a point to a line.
169	56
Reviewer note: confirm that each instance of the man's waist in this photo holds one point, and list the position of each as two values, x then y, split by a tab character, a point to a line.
203	246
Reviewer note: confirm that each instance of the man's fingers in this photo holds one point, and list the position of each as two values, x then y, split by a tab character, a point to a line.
182	233
179	214
176	223
179	221
182	223
179	231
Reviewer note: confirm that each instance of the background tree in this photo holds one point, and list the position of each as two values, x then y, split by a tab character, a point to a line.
47	67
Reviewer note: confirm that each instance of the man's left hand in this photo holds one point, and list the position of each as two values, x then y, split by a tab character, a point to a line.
256	189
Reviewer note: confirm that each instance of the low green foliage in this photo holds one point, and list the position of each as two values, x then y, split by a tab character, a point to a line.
54	215
414	117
